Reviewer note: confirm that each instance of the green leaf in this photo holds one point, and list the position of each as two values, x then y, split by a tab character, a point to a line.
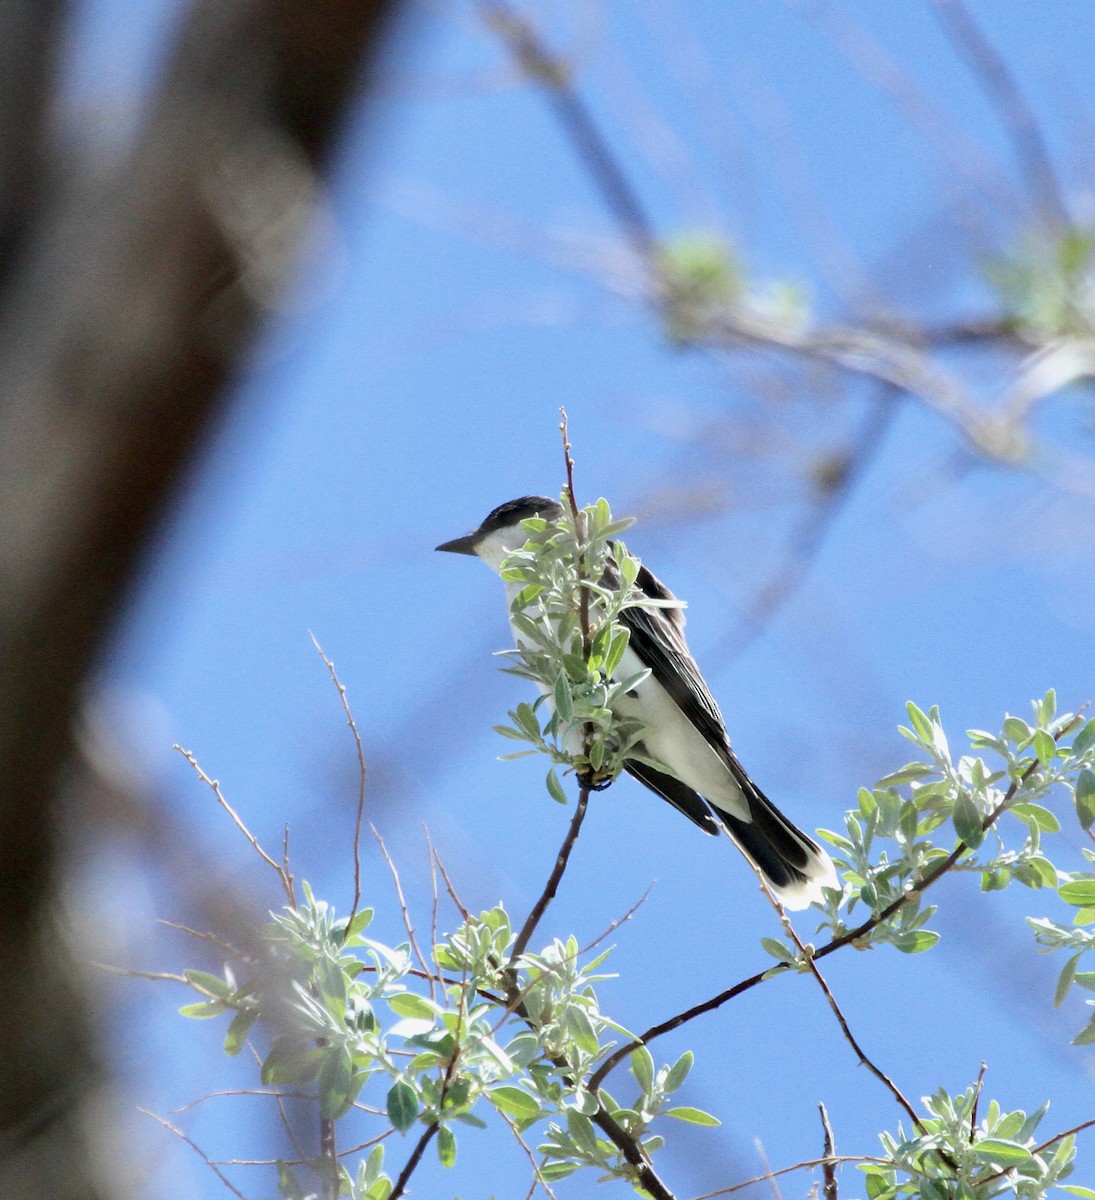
291	1063
1001	1152
515	1102
915	942
678	1072
1076	1190
1044	746
212	984
240	1027
201	1012
407	1004
906	774
564	701
1078	892
1064	980
967	820
921	724
642	1067
1038	816
1084	740
551	1172
555	788
694	1116
526	596
359	924
402	1106
335	1084
1086	1036
777	949
619	643
1085	797
1016	730
513	734
446	1146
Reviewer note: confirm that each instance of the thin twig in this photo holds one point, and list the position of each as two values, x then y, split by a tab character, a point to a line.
433	891
215	788
133	973
1057	1137
807	957
806	541
614	925
850	936
806	1165
538	1179
428	1134
554	74
976	1101
828	1171
362	774
769	1177
212	938
461	908
283	1114
195	1147
552	885
404	911
228	1092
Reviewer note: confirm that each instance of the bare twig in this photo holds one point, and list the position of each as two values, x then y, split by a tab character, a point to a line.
808	958
283	1115
362	774
806	1165
198	1150
461	908
1013	110
805	542
215	787
212	938
133	973
552	885
976	1102
553	74
538	1179
404	911
828	1170
769	1176
615	924
849	937
428	1134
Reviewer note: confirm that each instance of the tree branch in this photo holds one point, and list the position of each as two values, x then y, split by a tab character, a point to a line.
848	937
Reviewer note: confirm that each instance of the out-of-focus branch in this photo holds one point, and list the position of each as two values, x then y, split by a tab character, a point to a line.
862	351
992	73
29	41
125	316
553	74
807	539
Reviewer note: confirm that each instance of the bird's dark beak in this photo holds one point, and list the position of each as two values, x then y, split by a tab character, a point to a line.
461	545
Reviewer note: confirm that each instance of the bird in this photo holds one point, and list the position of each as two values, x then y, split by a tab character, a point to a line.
702	776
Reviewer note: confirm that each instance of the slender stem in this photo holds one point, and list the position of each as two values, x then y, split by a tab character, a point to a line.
428	1134
552	885
848	937
362	775
828	1169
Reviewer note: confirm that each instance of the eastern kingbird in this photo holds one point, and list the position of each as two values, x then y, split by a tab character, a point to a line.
686	731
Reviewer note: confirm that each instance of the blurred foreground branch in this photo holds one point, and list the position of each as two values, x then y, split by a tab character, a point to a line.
135	297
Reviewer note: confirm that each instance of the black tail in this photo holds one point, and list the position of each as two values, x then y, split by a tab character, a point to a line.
793	864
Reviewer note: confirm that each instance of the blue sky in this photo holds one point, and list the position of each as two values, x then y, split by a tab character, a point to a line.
452	301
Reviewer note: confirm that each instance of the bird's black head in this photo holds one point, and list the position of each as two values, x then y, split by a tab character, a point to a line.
505	516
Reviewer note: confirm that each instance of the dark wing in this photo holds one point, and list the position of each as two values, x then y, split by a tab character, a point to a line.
657	637
680	795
